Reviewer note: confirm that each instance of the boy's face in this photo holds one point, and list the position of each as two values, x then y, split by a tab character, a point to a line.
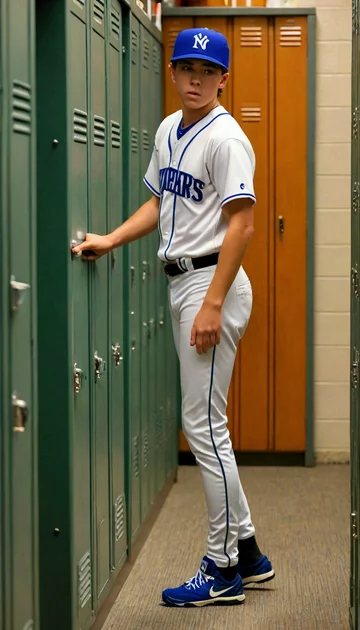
197	81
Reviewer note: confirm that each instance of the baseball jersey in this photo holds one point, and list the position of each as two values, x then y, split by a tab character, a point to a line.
195	172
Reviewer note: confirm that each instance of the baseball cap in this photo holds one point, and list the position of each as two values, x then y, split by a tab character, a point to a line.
202	43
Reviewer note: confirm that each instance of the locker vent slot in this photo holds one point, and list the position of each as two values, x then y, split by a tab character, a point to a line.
29	625
290	35
115	134
119	517
146	450
146	143
81	2
80	126
99	11
84	579
156	60
134	41
134	140
250	114
21	107
136	456
251	36
173	33
115	23
146	54
99	131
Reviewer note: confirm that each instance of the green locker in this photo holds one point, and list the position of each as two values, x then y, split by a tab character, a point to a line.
65	364
116	310
145	254
355	327
99	296
134	271
18	358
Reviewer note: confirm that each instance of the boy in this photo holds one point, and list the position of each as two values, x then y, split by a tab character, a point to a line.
201	176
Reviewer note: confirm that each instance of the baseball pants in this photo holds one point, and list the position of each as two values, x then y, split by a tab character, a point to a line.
205	381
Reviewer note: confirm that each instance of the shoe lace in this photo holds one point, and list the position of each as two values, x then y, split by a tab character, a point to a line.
198	580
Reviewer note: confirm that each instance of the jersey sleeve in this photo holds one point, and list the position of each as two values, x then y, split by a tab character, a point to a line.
152	178
232	170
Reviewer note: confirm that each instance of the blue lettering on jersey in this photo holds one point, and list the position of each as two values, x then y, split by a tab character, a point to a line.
181	183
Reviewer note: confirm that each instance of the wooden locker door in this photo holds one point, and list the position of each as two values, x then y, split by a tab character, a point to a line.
171	27
290	247
249	394
224	26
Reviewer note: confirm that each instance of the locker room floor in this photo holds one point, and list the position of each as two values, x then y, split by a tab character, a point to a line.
302	521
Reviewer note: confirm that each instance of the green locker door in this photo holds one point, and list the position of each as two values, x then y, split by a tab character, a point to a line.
116	311
18	361
64	134
355	328
134	271
99	296
145	253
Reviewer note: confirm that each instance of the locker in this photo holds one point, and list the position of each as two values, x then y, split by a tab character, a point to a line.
18	358
146	142
135	289
355	330
171	28
290	232
116	304
251	108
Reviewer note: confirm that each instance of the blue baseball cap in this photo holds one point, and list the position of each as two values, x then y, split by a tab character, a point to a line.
202	43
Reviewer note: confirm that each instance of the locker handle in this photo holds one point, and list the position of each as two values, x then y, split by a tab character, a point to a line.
281	225
100	366
17	293
20	414
117	354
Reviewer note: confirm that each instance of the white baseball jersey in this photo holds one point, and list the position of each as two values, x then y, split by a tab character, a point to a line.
195	172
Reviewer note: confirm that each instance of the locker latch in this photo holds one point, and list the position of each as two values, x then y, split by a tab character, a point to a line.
161	317
355	280
100	366
78	374
355	369
20	414
132	276
117	354
281	225
17	293
144	270
354	525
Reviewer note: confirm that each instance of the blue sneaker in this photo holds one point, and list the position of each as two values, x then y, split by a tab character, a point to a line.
257	573
207	587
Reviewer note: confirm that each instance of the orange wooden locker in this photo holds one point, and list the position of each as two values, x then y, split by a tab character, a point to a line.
251	108
171	27
290	227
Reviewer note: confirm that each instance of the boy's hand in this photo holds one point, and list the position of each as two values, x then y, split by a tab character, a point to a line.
94	246
205	333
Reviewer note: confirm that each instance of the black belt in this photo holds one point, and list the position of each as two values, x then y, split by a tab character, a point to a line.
173	269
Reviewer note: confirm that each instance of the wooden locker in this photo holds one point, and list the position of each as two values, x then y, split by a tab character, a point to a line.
290	247
249	402
171	27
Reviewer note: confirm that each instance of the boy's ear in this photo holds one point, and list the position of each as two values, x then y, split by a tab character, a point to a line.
171	70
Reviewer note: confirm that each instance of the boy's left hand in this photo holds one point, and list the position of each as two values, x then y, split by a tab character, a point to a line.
205	333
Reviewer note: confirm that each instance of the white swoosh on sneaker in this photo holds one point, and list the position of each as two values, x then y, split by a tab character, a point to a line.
213	593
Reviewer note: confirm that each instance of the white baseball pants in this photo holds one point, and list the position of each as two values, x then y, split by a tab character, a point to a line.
205	381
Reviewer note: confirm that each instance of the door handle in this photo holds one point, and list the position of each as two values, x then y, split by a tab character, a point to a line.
281	225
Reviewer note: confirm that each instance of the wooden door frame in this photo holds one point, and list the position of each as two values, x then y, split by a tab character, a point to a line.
310	13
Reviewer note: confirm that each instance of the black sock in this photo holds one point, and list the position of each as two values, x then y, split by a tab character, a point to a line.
249	552
228	573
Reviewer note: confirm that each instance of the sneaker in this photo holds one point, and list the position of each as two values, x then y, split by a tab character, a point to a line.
207	587
257	573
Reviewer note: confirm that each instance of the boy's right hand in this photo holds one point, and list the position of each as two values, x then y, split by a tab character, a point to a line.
94	246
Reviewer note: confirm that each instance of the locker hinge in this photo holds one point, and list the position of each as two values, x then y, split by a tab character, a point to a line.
354	525
355	197
355	368
355	122
355	17
355	280
123	50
